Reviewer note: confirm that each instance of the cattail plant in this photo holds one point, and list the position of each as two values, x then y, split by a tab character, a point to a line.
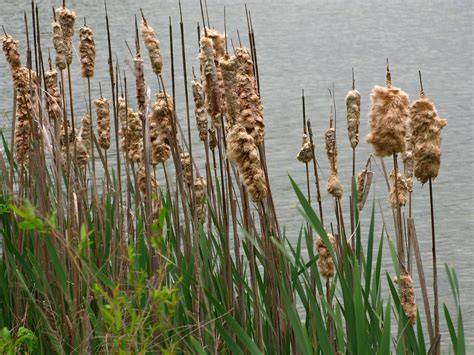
87	51
199	109
210	80
153	46
326	265
103	122
66	19
251	110
426	125
242	150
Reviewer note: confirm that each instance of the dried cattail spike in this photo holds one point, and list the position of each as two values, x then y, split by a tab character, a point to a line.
361	178
161	121
22	131
11	50
60	46
54	102
408	163
229	66
186	166
325	262
87	51
398	195
210	80
331	148
123	119
66	19
103	122
212	139
245	60
218	42
388	119
407	295
200	195
199	111
83	142
306	152
140	83
141	178
242	150
153	46
134	138
251	110
353	116
426	128
334	186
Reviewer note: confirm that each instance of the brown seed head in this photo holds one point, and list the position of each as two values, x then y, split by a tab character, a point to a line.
87	51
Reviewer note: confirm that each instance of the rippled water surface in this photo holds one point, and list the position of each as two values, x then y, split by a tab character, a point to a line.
313	45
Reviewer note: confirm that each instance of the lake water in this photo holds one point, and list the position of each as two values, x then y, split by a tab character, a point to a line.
311	45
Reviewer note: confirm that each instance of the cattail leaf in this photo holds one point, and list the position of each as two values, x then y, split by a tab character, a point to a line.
386	335
421	336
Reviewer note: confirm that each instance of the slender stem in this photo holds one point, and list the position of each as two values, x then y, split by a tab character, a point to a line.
435	266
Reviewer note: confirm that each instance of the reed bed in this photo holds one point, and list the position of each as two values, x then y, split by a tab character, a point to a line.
198	262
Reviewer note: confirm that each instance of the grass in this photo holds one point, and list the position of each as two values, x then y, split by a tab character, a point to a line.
90	267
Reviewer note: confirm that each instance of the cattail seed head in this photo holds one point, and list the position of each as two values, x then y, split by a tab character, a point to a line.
306	153
83	142
60	46
140	83
200	195
388	119
87	51
398	195
153	46
66	19
218	42
134	137
212	139
361	178
325	262
103	122
199	110
407	295
251	110
229	66
331	148
11	49
53	98
334	186
22	131
353	116
161	122
186	166
426	126
242	150
210	80
123	119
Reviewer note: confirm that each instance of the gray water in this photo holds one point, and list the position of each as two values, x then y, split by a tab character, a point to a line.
311	45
